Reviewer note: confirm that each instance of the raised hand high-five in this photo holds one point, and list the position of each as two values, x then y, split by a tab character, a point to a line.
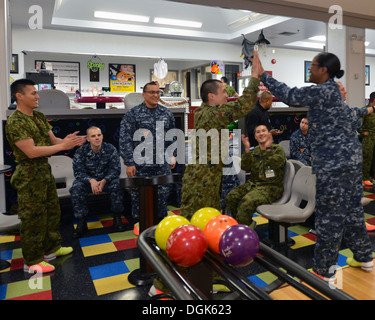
257	69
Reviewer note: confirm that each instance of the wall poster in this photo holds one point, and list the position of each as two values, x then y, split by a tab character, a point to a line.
66	74
367	75
307	71
122	77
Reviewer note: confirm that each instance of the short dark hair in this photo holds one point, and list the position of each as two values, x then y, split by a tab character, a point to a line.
332	63
262	124
209	86
372	96
266	95
225	79
151	83
18	86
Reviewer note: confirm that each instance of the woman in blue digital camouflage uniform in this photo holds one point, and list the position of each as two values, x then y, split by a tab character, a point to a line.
336	161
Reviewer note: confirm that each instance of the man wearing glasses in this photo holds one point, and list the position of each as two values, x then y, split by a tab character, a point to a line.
138	130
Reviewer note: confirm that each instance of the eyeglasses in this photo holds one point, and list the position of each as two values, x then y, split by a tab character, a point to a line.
314	64
153	92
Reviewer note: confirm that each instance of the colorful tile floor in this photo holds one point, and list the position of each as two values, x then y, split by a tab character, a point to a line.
102	260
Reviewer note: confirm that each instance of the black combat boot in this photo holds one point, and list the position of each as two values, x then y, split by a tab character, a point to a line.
117	223
81	228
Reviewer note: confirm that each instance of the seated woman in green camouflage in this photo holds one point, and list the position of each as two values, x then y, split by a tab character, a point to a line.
266	164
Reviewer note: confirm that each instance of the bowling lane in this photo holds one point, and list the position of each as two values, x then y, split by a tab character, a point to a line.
354	281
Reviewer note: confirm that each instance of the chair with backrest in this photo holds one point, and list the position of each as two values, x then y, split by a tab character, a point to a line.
289	173
62	170
53	100
133	99
237	165
285	144
298	209
9	222
297	164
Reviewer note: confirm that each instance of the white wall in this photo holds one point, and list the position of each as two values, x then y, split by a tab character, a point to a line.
143	67
371	88
289	66
145	51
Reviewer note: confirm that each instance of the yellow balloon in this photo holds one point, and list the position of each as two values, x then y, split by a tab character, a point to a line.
202	216
166	227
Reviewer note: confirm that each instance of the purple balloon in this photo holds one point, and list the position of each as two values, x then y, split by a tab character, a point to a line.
239	245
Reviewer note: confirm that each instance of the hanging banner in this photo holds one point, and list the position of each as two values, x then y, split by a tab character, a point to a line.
122	77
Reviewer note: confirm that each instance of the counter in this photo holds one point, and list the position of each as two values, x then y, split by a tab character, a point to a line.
90	113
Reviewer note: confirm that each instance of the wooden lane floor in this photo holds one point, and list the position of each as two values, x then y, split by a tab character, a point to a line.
354	281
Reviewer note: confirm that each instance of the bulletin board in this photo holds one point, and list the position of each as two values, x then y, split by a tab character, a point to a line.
66	74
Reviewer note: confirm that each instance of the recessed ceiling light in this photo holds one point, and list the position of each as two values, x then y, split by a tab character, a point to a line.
318	38
306	44
177	22
121	16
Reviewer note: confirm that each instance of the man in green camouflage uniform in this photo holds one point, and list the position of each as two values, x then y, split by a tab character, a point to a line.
32	141
368	141
266	164
202	182
231	92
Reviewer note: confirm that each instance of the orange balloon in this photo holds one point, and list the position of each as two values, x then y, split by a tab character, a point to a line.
215	228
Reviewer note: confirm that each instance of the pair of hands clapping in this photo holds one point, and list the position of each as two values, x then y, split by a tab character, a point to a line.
73	140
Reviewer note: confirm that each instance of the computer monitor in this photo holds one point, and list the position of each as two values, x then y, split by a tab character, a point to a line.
44	86
41	78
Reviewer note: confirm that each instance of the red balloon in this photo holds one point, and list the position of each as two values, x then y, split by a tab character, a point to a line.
186	245
215	228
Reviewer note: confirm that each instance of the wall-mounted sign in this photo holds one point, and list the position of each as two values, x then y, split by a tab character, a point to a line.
95	66
217	67
122	77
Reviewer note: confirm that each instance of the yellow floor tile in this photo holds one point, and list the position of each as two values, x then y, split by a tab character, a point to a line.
260	220
112	284
7	238
94	225
98	249
301	241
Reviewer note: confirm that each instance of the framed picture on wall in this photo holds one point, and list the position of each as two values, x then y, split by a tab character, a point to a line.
367	75
122	77
171	76
14	65
307	71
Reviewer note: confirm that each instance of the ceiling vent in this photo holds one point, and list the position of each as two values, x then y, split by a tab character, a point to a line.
286	33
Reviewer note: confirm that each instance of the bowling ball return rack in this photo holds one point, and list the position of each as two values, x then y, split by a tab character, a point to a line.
196	282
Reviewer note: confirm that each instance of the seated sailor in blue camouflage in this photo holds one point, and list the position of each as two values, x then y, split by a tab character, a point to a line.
97	169
336	161
146	156
300	144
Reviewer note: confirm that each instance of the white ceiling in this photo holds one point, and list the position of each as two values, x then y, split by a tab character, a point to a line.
219	24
